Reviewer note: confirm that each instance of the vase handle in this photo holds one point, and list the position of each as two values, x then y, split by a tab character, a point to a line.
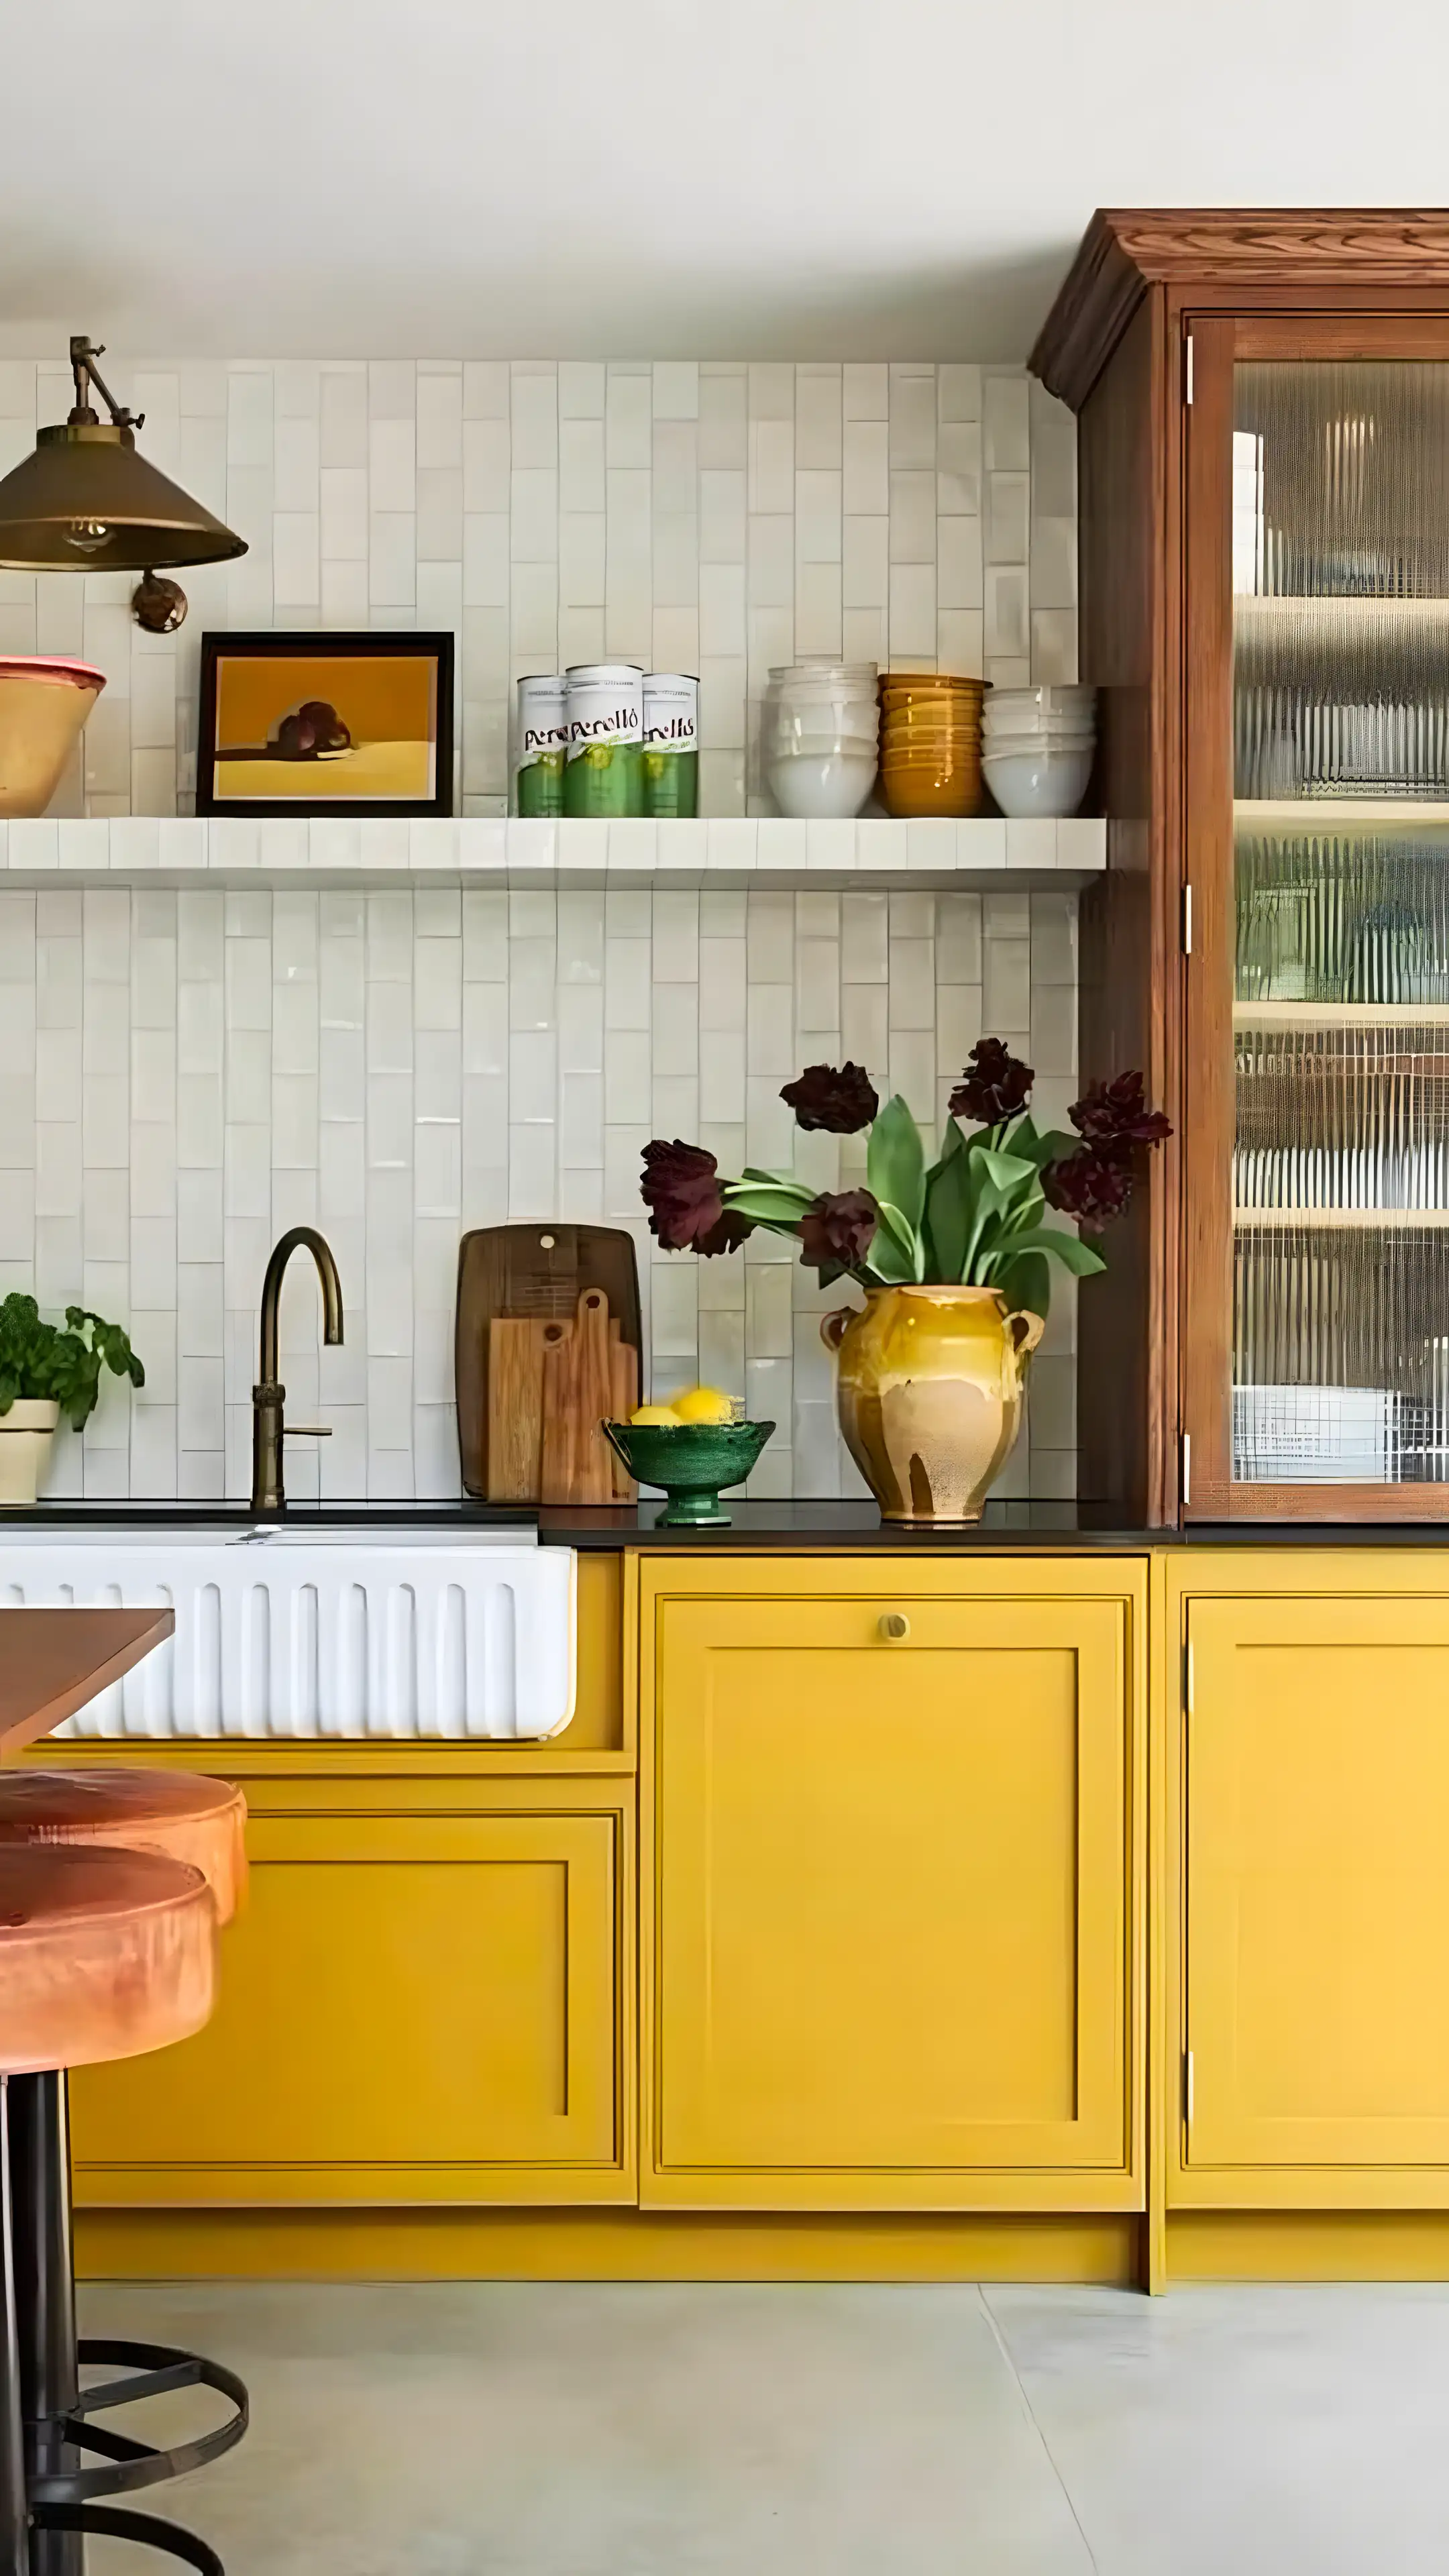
1026	1330
833	1327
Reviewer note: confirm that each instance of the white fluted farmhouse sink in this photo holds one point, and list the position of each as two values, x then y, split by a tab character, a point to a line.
291	1631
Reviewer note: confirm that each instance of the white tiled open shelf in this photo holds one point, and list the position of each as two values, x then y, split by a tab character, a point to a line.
155	850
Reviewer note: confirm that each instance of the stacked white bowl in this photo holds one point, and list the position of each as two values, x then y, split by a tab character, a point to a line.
819	732
1037	747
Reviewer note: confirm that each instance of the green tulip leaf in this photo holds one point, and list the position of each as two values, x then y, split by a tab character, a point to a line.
1005	1171
1025	1283
895	1249
948	1207
1068	1249
777	1205
895	1163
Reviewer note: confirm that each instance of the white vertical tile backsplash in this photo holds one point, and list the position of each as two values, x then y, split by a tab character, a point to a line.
715	517
188	1073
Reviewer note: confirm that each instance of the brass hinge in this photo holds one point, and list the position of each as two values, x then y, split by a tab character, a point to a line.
1187	2086
1187	369
1187	921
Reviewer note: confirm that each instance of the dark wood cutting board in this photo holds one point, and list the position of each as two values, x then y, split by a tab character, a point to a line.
537	1271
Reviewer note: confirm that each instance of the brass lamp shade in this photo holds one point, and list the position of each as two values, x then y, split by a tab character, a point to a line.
86	502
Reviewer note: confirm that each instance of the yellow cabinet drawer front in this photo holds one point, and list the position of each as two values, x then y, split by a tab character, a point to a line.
890	1954
1316	1837
414	2009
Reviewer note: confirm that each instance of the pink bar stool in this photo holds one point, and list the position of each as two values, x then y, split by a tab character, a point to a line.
103	1954
195	1823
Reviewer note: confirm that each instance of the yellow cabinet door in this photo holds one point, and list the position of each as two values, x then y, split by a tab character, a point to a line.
413	2008
1316	1835
889	1961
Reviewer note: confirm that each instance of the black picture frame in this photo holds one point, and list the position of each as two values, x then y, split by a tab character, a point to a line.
276	644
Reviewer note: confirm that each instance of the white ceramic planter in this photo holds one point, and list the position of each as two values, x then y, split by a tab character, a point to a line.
26	1433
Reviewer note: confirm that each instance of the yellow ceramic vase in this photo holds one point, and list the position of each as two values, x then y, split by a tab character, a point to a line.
929	1390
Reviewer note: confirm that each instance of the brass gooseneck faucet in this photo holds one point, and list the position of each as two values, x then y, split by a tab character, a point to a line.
269	1396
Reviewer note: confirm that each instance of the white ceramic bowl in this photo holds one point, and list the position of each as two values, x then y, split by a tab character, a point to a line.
829	789
818	703
856	676
1005	746
1021	722
785	731
1038	782
1057	698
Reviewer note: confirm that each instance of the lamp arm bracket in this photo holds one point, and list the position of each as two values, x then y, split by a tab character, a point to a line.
83	355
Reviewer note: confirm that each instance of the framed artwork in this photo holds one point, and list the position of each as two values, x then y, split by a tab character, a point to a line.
325	724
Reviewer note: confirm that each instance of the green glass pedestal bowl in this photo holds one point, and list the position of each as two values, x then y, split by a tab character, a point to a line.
691	1462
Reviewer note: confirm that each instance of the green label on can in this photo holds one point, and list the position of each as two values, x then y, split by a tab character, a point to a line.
671	743
540	784
604	778
605	731
671	783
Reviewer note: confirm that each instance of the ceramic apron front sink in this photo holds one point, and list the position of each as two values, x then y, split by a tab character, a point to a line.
350	1633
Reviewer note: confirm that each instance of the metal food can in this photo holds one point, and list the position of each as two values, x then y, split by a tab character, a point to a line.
605	711
671	743
542	744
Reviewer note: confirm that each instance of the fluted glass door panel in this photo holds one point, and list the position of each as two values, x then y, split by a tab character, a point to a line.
1340	561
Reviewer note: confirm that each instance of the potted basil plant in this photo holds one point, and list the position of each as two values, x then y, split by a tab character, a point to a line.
47	1370
955	1256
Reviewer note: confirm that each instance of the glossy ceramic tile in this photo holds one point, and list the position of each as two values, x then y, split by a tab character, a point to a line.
554	513
189	1072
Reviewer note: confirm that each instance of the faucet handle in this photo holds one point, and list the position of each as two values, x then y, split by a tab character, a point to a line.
307	1430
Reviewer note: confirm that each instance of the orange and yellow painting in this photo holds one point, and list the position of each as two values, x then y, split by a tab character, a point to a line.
322	727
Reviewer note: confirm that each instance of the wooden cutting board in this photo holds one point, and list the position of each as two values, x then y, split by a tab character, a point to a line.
532	1273
550	1386
574	1456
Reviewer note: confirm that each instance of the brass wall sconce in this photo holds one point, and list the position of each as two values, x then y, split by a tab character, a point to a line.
87	502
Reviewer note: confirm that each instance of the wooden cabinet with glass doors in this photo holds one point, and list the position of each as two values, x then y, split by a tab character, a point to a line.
1263	404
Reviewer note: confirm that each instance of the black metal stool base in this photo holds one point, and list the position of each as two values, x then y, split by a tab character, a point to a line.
113	2522
153	2369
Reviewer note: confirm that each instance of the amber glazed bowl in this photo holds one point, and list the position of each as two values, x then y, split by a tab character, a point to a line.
946	783
43	705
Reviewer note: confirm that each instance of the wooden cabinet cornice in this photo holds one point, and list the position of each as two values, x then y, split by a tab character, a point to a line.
1225	253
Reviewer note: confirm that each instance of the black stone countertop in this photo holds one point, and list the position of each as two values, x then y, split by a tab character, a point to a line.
1045	1528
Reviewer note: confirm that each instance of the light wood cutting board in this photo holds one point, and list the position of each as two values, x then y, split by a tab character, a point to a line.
550	1386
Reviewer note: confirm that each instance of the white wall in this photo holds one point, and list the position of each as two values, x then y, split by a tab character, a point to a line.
715	518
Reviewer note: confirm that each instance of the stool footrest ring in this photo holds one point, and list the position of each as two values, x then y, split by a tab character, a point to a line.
113	2522
152	2368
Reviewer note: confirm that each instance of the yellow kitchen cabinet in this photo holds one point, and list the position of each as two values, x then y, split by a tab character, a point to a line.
1314	1903
427	2000
891	1951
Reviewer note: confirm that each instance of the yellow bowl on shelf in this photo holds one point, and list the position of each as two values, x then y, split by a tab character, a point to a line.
44	701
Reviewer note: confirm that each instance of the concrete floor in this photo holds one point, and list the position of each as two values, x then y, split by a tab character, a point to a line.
555	2430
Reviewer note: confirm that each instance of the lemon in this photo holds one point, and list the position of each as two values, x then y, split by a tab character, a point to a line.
703	1404
656	1413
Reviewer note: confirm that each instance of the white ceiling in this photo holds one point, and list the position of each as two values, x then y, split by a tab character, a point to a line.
856	178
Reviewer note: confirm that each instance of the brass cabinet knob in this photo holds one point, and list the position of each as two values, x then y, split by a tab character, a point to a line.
893	1625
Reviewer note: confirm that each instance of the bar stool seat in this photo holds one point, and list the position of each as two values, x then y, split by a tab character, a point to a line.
186	1818
103	1954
